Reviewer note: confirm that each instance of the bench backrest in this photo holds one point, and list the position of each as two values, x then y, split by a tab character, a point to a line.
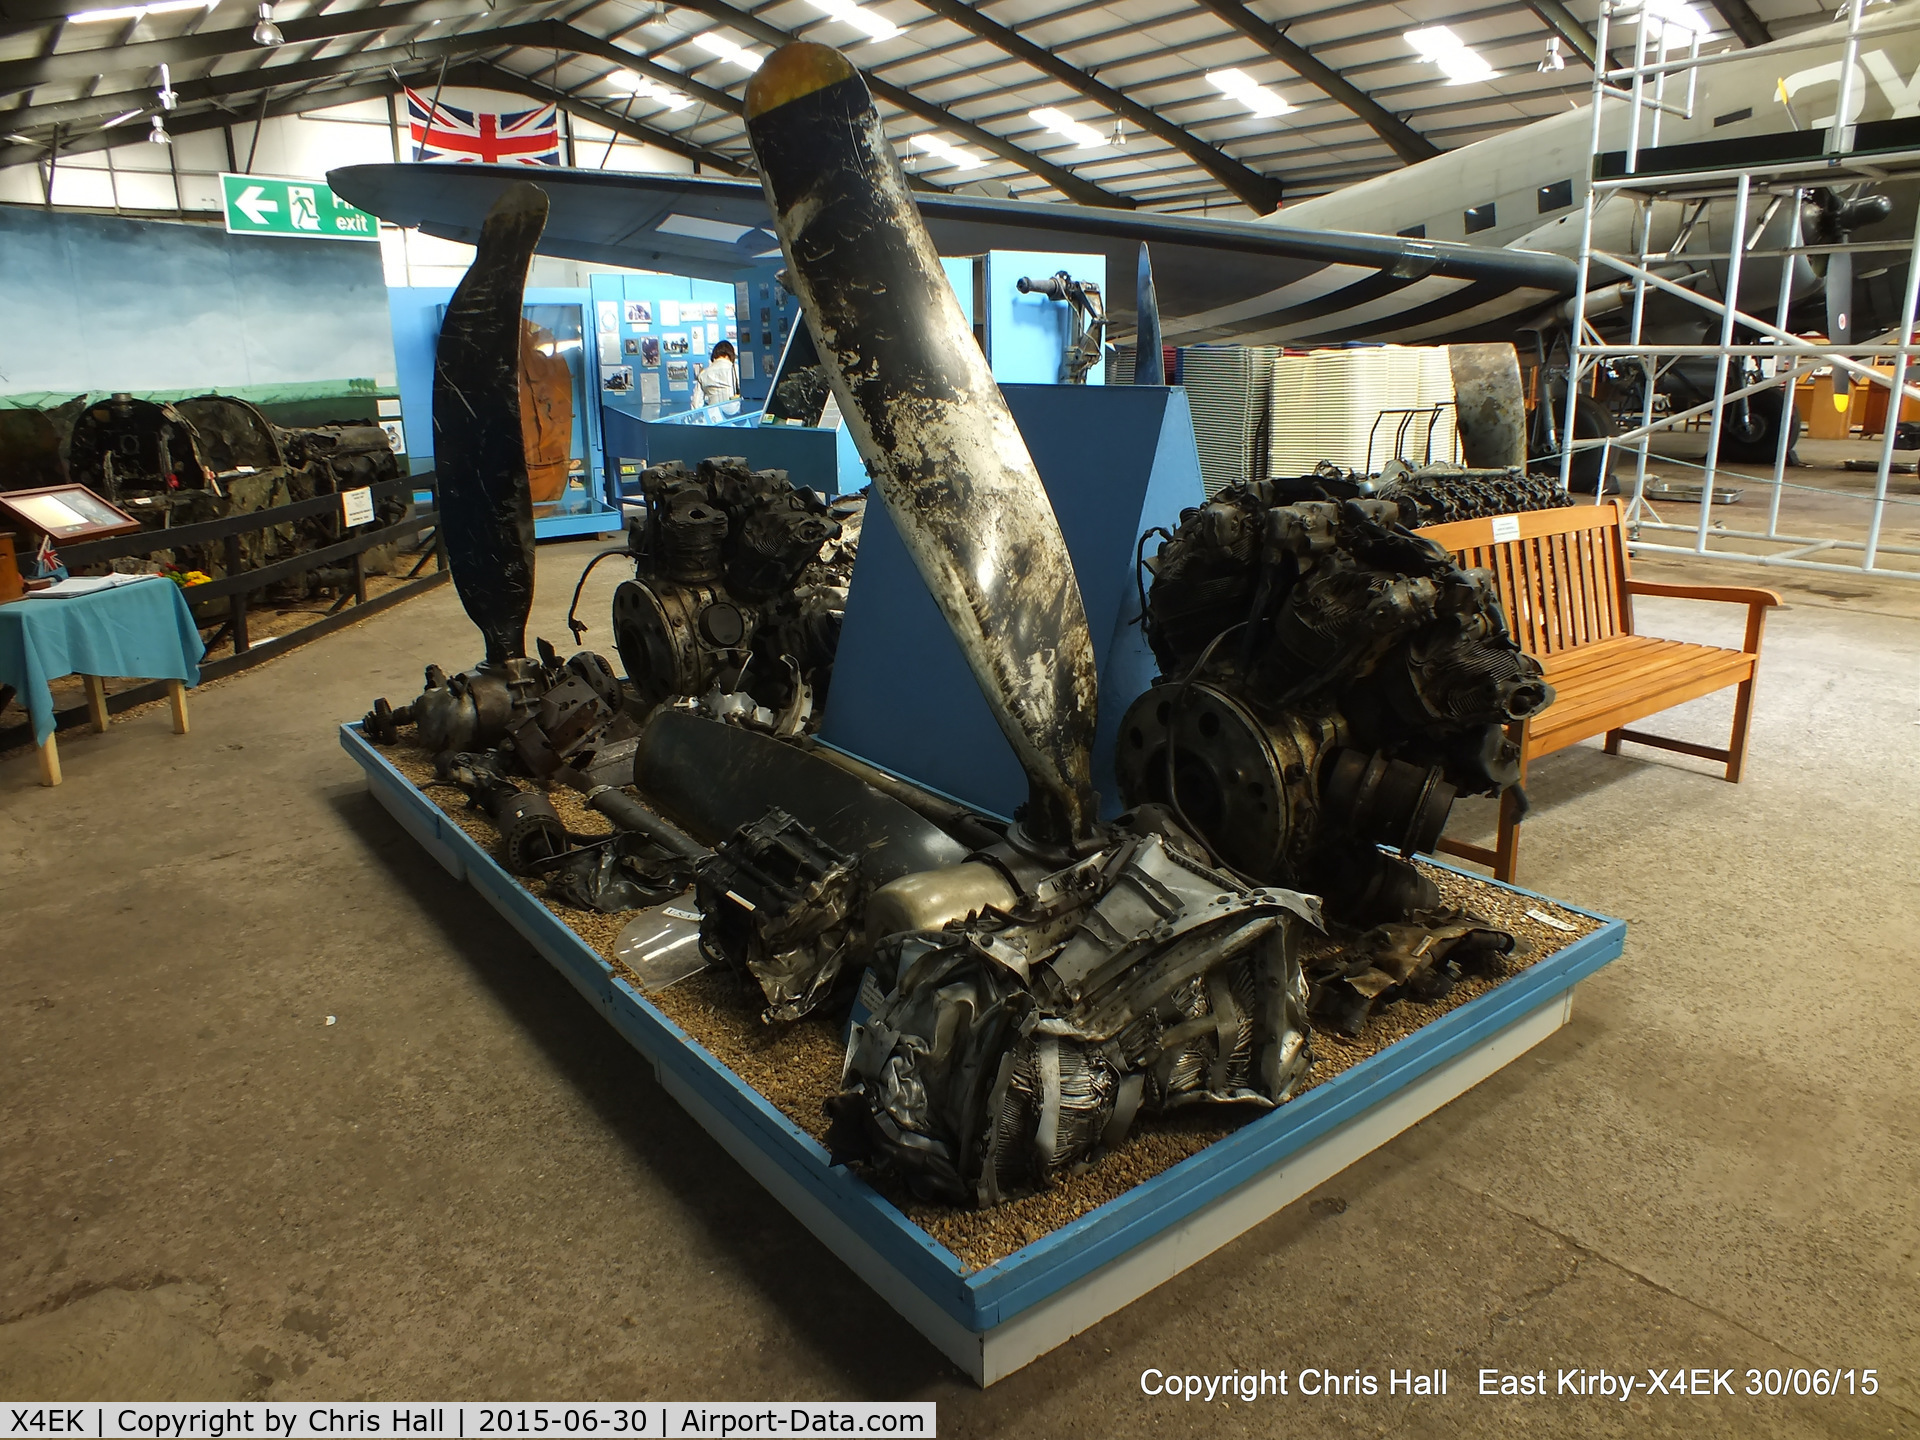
1562	574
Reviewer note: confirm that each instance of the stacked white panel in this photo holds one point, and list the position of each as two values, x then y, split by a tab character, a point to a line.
1227	387
1330	405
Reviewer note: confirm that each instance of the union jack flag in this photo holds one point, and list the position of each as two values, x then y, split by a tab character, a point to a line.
446	132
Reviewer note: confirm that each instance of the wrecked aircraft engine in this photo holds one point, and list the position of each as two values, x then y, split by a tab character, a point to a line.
1020	1043
1329	682
739	588
1441	494
1435	494
210	457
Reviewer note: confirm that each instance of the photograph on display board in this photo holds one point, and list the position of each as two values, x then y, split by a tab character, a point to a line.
710	311
649	349
676	374
617	379
733	332
669	312
766	340
730	310
630	346
639	312
676	343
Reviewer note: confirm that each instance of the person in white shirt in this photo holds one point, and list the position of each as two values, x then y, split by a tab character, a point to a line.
719	378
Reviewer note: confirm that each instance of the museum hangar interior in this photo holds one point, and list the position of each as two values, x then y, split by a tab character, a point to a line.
838	701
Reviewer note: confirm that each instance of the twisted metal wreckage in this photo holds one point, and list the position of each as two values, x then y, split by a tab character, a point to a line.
200	459
1329	683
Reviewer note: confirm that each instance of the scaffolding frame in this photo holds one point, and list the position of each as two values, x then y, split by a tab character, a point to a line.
1658	70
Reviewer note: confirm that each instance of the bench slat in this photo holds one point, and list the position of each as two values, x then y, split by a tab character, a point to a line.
1627	708
1580	703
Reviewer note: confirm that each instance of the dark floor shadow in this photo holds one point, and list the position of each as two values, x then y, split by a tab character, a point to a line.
1559	781
859	1339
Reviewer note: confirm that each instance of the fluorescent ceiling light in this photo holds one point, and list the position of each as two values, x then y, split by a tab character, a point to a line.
1061	123
722	48
1676	15
134	12
1238	85
946	150
120	119
649	89
1461	63
875	27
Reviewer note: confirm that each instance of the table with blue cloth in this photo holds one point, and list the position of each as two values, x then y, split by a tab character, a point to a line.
143	629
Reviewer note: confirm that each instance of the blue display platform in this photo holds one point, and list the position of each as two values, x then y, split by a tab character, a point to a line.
823	460
578	511
994	1320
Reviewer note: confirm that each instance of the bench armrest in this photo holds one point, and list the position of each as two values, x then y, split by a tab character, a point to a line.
1757	601
1736	594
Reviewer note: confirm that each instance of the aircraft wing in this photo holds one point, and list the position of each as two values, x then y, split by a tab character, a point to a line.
1247	282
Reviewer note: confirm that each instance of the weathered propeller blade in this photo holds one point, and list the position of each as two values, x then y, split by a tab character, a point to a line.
486	508
1149	360
1840	297
1489	405
930	422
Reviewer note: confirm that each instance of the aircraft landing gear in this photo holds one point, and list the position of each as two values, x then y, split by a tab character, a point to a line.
1750	430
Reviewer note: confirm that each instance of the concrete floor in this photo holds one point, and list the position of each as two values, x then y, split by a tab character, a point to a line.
469	1187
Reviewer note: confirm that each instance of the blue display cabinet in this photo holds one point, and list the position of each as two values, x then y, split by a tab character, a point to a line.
415	312
1026	339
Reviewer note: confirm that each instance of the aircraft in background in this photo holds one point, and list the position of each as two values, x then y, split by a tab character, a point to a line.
1480	243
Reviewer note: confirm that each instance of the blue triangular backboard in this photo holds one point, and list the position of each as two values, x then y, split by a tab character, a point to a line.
1115	459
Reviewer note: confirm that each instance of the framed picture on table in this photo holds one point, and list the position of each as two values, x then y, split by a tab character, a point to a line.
63	513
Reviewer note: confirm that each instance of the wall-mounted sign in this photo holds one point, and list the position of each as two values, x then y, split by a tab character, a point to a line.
265	205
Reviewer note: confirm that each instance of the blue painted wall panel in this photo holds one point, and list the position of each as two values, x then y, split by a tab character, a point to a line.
1027	335
98	302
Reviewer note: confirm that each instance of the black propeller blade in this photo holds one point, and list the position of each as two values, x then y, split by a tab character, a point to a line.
931	424
1836	217
486	507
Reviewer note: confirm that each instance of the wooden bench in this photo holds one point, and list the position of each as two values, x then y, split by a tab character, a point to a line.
1563	577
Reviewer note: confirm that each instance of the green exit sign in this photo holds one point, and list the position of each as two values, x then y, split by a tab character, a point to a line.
266	205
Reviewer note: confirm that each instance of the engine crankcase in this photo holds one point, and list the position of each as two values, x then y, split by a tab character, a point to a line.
1246	787
680	639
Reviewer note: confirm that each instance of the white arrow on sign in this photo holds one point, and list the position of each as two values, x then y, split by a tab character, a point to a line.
250	204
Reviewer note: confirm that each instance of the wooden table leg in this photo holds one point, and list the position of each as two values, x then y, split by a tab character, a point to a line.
50	762
96	701
177	698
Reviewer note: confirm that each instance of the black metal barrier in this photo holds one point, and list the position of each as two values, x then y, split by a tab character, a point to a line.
237	586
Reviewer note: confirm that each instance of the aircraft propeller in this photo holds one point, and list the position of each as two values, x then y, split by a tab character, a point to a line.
486	504
947	461
1833	220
